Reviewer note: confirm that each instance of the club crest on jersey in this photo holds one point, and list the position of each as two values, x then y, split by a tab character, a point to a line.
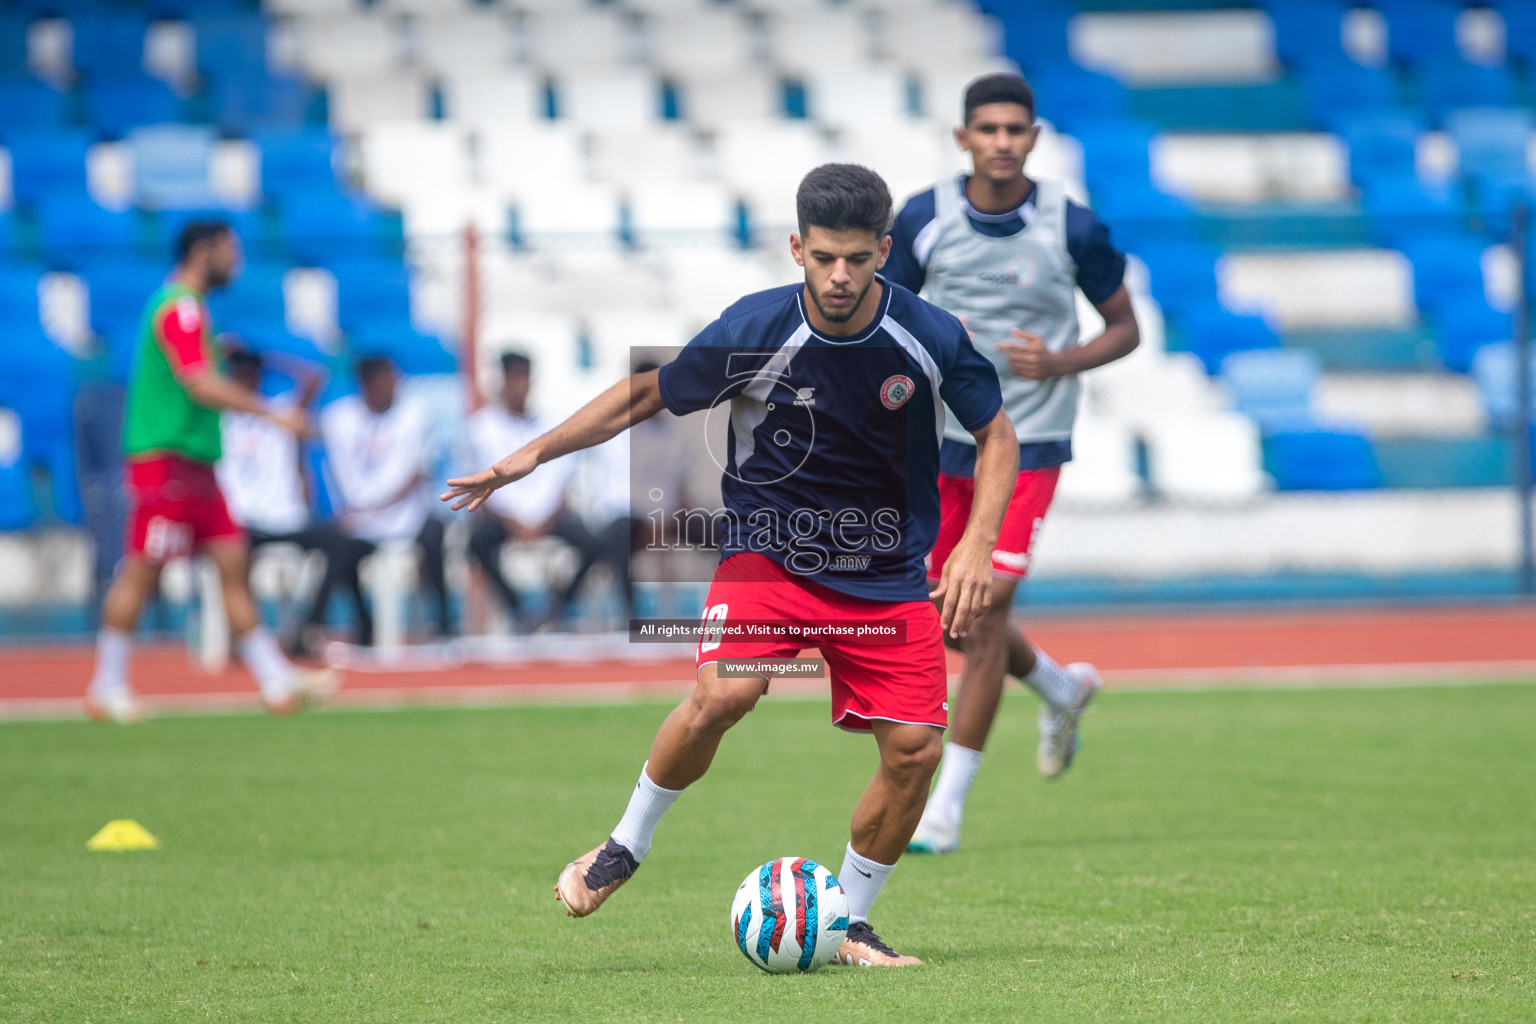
895	391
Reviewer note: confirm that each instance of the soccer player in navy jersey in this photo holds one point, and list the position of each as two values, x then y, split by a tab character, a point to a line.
836	390
1007	255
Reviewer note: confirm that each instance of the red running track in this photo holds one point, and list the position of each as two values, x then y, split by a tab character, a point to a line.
1164	649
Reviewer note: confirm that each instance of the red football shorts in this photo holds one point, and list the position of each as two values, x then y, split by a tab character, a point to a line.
177	508
903	681
1032	494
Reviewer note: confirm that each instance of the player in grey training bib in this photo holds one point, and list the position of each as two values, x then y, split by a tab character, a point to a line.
1008	256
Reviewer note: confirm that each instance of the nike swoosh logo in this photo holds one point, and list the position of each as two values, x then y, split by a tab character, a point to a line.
861	871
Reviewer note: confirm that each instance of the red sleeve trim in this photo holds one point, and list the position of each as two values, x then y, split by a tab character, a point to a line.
181	337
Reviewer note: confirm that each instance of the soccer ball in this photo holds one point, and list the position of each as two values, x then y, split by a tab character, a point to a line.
790	916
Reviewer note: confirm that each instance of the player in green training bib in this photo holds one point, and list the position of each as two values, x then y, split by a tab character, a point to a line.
171	436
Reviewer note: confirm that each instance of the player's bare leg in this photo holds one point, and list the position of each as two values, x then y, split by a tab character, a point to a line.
110	696
284	688
684	747
883	822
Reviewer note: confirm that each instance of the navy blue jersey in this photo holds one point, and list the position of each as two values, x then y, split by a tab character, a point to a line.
832	451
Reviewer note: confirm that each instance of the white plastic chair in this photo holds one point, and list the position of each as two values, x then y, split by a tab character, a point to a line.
1209	457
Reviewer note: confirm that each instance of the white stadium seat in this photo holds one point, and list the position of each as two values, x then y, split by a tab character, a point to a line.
312	8
612	99
940	33
614	334
706	279
944	81
350	45
1177	46
831	37
701	41
1210	457
1321	289
469	43
1103	466
1237	168
517	157
405	159
667	152
856	95
910	156
575	212
362	100
623	279
447	211
661	211
425	8
715	101
766	161
486	101
584	39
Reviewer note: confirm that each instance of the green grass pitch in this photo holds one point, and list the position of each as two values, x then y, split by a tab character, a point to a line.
1308	855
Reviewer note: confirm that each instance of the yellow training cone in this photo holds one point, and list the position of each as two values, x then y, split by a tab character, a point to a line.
123	834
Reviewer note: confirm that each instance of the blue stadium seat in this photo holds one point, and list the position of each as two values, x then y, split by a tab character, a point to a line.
1403	209
1274	387
1309	31
1213	334
1070	96
1340	92
1519	28
1420	29
255	297
1115	153
321	227
295	160
371	291
8	240
170	166
30	103
37	380
73	231
1140	214
115	105
1446	83
47	162
1492	141
1493	370
17	510
1034	34
248	224
1445	270
109	44
249	101
18	296
230	43
13	44
1321	460
1381	145
413	352
1464	327
119	291
1183	273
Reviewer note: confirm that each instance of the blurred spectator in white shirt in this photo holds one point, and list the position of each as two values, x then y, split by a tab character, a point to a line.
534	506
376	447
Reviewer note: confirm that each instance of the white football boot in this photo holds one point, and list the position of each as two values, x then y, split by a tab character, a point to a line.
934	837
1058	728
118	705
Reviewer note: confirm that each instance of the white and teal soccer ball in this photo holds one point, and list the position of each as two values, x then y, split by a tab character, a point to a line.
790	916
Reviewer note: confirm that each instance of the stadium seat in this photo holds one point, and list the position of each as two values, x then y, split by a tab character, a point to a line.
255	297
1208	457
1115	154
326	225
1381	146
606	100
295	160
1421	29
1308	31
802	42
566	36
857	97
702	41
412	352
19	295
939	33
361	99
1321	460
247	102
37	380
668	153
109	44
230	44
515	159
1341	92
765	163
170	166
1403	208
1492	141
1494	369
671	211
8	240
47	162
717	101
250	225
1464	327
1103	467
1446	83
464	42
74	231
119	292
13	43
17	509
910	156
1069	96
1142	214
1183	273
349	45
1033	34
553	213
486	101
1274	387
1445	270
405	159
1519	28
371	292
115	105
1214	334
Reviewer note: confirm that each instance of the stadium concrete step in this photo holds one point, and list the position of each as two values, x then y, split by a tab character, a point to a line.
1284	225
1433	462
1365	348
1278	106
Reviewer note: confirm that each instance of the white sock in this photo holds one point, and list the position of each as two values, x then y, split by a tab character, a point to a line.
946	804
647	804
1054	684
273	672
862	879
113	650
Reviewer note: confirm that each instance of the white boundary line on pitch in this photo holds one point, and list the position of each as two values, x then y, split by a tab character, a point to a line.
366	698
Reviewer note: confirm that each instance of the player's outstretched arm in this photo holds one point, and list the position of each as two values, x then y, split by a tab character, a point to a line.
219	392
628	402
965	585
1029	358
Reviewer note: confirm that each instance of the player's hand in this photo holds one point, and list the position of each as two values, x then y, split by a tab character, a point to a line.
295	420
1028	357
471	491
965	586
